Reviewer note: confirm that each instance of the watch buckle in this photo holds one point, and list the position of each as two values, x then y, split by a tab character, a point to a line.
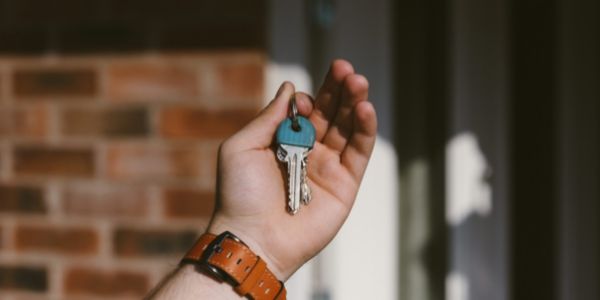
215	247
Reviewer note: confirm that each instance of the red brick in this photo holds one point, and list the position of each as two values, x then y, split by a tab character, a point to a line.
188	203
54	83
21	199
153	162
115	122
105	283
24	278
6	121
31	122
241	80
105	200
4	161
132	242
43	161
144	82
56	239
181	122
24	122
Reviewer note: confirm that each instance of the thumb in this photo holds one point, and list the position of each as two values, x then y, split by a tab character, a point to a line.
258	134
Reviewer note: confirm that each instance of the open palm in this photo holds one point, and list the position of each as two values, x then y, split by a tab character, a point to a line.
252	188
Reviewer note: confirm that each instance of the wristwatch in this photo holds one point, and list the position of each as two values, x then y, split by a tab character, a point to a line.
225	257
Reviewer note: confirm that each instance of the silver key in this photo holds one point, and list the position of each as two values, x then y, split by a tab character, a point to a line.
305	189
295	137
294	157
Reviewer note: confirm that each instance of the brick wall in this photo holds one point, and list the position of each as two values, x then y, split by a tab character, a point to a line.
107	165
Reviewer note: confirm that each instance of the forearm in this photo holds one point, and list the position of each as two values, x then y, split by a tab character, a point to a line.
187	283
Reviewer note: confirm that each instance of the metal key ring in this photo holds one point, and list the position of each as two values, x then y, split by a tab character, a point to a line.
294	107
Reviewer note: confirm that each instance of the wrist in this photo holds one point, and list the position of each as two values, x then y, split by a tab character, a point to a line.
226	258
219	225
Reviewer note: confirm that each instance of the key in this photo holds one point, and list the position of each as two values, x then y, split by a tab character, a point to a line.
305	189
293	158
295	142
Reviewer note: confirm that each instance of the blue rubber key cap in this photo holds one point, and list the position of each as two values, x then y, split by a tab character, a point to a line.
295	138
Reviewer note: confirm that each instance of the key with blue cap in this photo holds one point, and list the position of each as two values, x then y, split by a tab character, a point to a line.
295	138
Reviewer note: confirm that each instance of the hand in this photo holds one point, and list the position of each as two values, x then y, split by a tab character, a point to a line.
252	183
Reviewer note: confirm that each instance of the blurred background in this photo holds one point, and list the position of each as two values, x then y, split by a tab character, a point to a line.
484	182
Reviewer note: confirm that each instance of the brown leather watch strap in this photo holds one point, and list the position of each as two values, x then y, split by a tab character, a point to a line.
227	258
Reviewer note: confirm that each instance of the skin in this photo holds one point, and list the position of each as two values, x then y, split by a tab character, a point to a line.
251	184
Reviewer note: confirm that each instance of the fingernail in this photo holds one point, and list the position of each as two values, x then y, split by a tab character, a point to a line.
280	90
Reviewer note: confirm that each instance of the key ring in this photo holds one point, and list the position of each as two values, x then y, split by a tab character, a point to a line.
294	107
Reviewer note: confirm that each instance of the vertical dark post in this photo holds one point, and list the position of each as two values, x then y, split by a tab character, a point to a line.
579	144
437	131
421	128
534	200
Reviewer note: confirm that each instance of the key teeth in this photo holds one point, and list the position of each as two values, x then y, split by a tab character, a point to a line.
296	162
306	193
306	198
291	209
281	154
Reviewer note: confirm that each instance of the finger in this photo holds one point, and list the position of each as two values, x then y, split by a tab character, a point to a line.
355	90
258	134
327	99
304	103
360	146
